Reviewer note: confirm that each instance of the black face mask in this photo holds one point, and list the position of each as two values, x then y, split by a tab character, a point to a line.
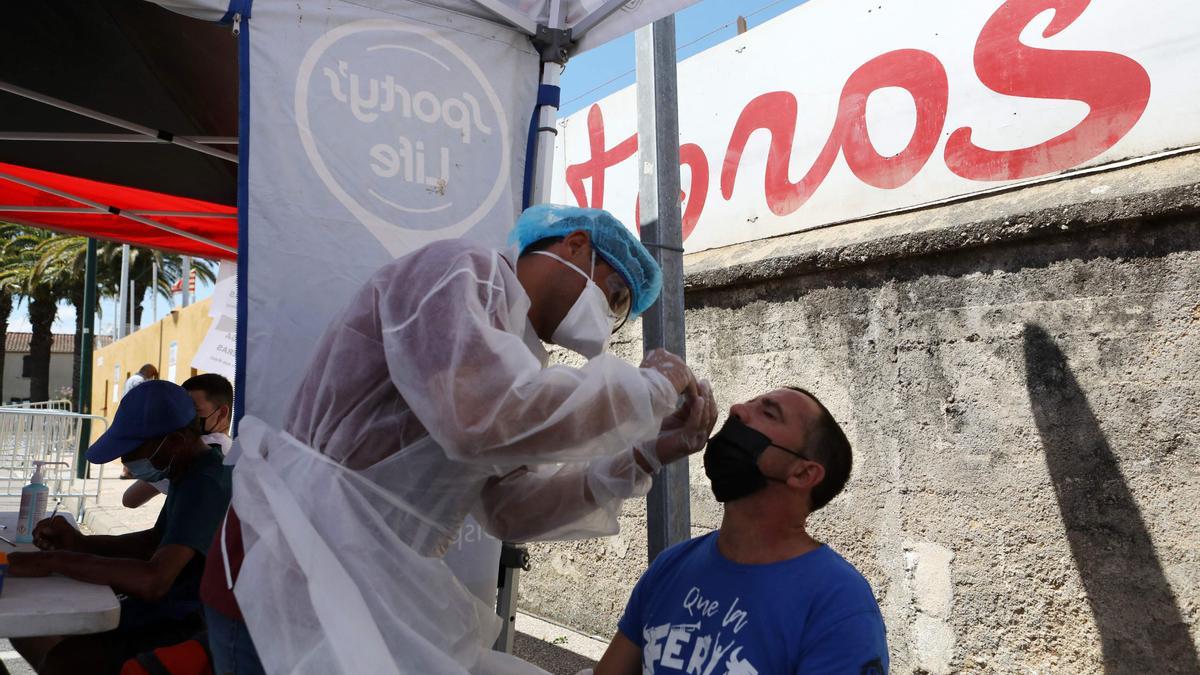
204	421
731	460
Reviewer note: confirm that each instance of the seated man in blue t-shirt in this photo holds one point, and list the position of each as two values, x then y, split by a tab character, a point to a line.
157	435
759	595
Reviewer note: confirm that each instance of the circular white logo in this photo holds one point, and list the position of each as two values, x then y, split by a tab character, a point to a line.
403	129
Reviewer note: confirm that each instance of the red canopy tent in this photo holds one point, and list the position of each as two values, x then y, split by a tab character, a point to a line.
106	211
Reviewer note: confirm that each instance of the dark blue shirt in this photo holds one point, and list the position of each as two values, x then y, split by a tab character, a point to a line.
694	611
190	517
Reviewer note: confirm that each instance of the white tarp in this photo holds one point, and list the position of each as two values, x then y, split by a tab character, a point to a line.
840	109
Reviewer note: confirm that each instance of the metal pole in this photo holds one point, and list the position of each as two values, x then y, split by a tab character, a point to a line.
187	273
668	508
84	397
132	304
154	292
156	134
544	173
122	298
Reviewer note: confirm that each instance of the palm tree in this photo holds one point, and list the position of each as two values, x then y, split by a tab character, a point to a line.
9	286
170	270
43	292
64	259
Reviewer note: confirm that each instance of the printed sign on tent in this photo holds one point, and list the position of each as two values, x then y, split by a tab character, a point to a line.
373	131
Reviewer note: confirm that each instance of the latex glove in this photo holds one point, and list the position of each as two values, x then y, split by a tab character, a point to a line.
673	368
685	431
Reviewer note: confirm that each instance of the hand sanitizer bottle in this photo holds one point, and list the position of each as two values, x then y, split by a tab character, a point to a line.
33	503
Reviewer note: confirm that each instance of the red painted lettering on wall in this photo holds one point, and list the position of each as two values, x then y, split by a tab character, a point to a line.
1116	88
602	158
916	71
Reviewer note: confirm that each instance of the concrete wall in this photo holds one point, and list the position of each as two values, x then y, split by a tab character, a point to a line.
1019	376
17	387
187	327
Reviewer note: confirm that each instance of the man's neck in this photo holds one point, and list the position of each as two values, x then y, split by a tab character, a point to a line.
754	534
186	459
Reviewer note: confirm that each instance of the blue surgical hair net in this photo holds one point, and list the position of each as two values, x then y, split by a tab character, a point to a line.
611	240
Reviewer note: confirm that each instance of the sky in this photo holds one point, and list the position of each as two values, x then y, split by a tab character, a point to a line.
588	78
609	68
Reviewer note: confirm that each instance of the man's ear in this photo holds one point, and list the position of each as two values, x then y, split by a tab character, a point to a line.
806	475
575	243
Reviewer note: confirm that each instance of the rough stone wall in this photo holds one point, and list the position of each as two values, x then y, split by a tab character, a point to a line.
1023	408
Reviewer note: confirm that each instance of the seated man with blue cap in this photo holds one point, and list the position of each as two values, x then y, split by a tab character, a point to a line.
156	434
431	399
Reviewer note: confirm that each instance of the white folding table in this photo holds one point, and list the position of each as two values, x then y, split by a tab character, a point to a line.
52	605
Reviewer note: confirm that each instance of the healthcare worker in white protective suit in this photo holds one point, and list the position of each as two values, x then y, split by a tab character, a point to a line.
430	399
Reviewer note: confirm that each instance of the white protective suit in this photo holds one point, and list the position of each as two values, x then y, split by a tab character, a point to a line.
428	400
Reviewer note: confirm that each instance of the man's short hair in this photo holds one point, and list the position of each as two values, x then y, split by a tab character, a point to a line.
148	370
216	388
541	245
828	446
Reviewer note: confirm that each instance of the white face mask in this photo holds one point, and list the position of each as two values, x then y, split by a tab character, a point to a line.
588	325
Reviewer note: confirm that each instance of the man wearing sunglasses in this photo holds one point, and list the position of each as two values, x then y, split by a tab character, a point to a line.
431	399
759	595
157	435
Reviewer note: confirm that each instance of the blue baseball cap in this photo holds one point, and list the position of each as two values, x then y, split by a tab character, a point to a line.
152	409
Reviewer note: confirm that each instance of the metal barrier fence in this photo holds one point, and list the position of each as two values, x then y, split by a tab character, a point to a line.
28	435
57	404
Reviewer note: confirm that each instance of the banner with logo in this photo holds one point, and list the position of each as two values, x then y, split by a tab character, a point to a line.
371	132
842	109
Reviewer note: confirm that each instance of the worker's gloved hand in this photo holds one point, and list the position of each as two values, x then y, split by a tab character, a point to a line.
673	368
684	432
56	534
28	564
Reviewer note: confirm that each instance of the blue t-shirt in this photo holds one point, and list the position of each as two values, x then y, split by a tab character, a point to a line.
695	611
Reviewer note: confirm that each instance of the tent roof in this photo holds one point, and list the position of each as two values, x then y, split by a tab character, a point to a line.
139	62
40	207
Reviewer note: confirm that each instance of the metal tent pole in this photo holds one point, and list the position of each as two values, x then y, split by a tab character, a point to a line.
24	208
154	292
123	297
61	137
186	283
84	397
668	506
157	134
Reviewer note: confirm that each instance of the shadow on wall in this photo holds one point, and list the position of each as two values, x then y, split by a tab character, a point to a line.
1140	624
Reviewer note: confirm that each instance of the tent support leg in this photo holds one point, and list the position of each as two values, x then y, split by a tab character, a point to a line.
513	559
